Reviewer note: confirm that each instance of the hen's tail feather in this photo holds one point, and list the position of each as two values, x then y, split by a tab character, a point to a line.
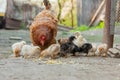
47	4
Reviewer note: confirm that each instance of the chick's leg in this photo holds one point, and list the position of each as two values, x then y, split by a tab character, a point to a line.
42	55
17	53
53	56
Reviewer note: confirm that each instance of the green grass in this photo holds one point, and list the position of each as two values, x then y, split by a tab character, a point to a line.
64	33
22	25
117	23
84	27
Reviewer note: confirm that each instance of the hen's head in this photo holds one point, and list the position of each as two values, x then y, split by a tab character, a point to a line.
42	40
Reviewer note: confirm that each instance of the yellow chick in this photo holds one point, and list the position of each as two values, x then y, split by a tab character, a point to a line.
29	51
16	48
51	51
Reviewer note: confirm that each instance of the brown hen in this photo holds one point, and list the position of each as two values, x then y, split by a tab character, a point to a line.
43	30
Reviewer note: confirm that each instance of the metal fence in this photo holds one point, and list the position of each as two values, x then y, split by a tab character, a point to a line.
115	17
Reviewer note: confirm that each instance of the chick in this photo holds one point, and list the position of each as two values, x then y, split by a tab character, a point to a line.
63	40
79	41
85	48
76	34
92	50
51	51
16	48
102	50
29	51
68	47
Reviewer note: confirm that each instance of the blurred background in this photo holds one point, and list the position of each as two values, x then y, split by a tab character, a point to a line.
87	16
73	14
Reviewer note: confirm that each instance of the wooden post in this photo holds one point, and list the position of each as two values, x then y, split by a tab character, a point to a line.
60	7
72	17
107	37
79	11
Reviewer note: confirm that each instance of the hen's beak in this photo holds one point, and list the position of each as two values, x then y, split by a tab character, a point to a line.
42	43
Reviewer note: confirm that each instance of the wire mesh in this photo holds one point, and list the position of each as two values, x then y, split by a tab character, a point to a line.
116	16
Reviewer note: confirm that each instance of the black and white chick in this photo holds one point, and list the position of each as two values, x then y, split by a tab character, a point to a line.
85	48
68	47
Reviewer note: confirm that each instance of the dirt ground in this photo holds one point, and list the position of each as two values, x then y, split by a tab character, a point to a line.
71	68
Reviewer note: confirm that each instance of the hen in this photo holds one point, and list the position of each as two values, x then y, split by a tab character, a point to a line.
43	30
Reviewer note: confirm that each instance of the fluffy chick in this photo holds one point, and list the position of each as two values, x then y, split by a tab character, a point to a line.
62	40
102	50
93	50
16	48
51	51
68	47
79	41
76	34
29	51
85	48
